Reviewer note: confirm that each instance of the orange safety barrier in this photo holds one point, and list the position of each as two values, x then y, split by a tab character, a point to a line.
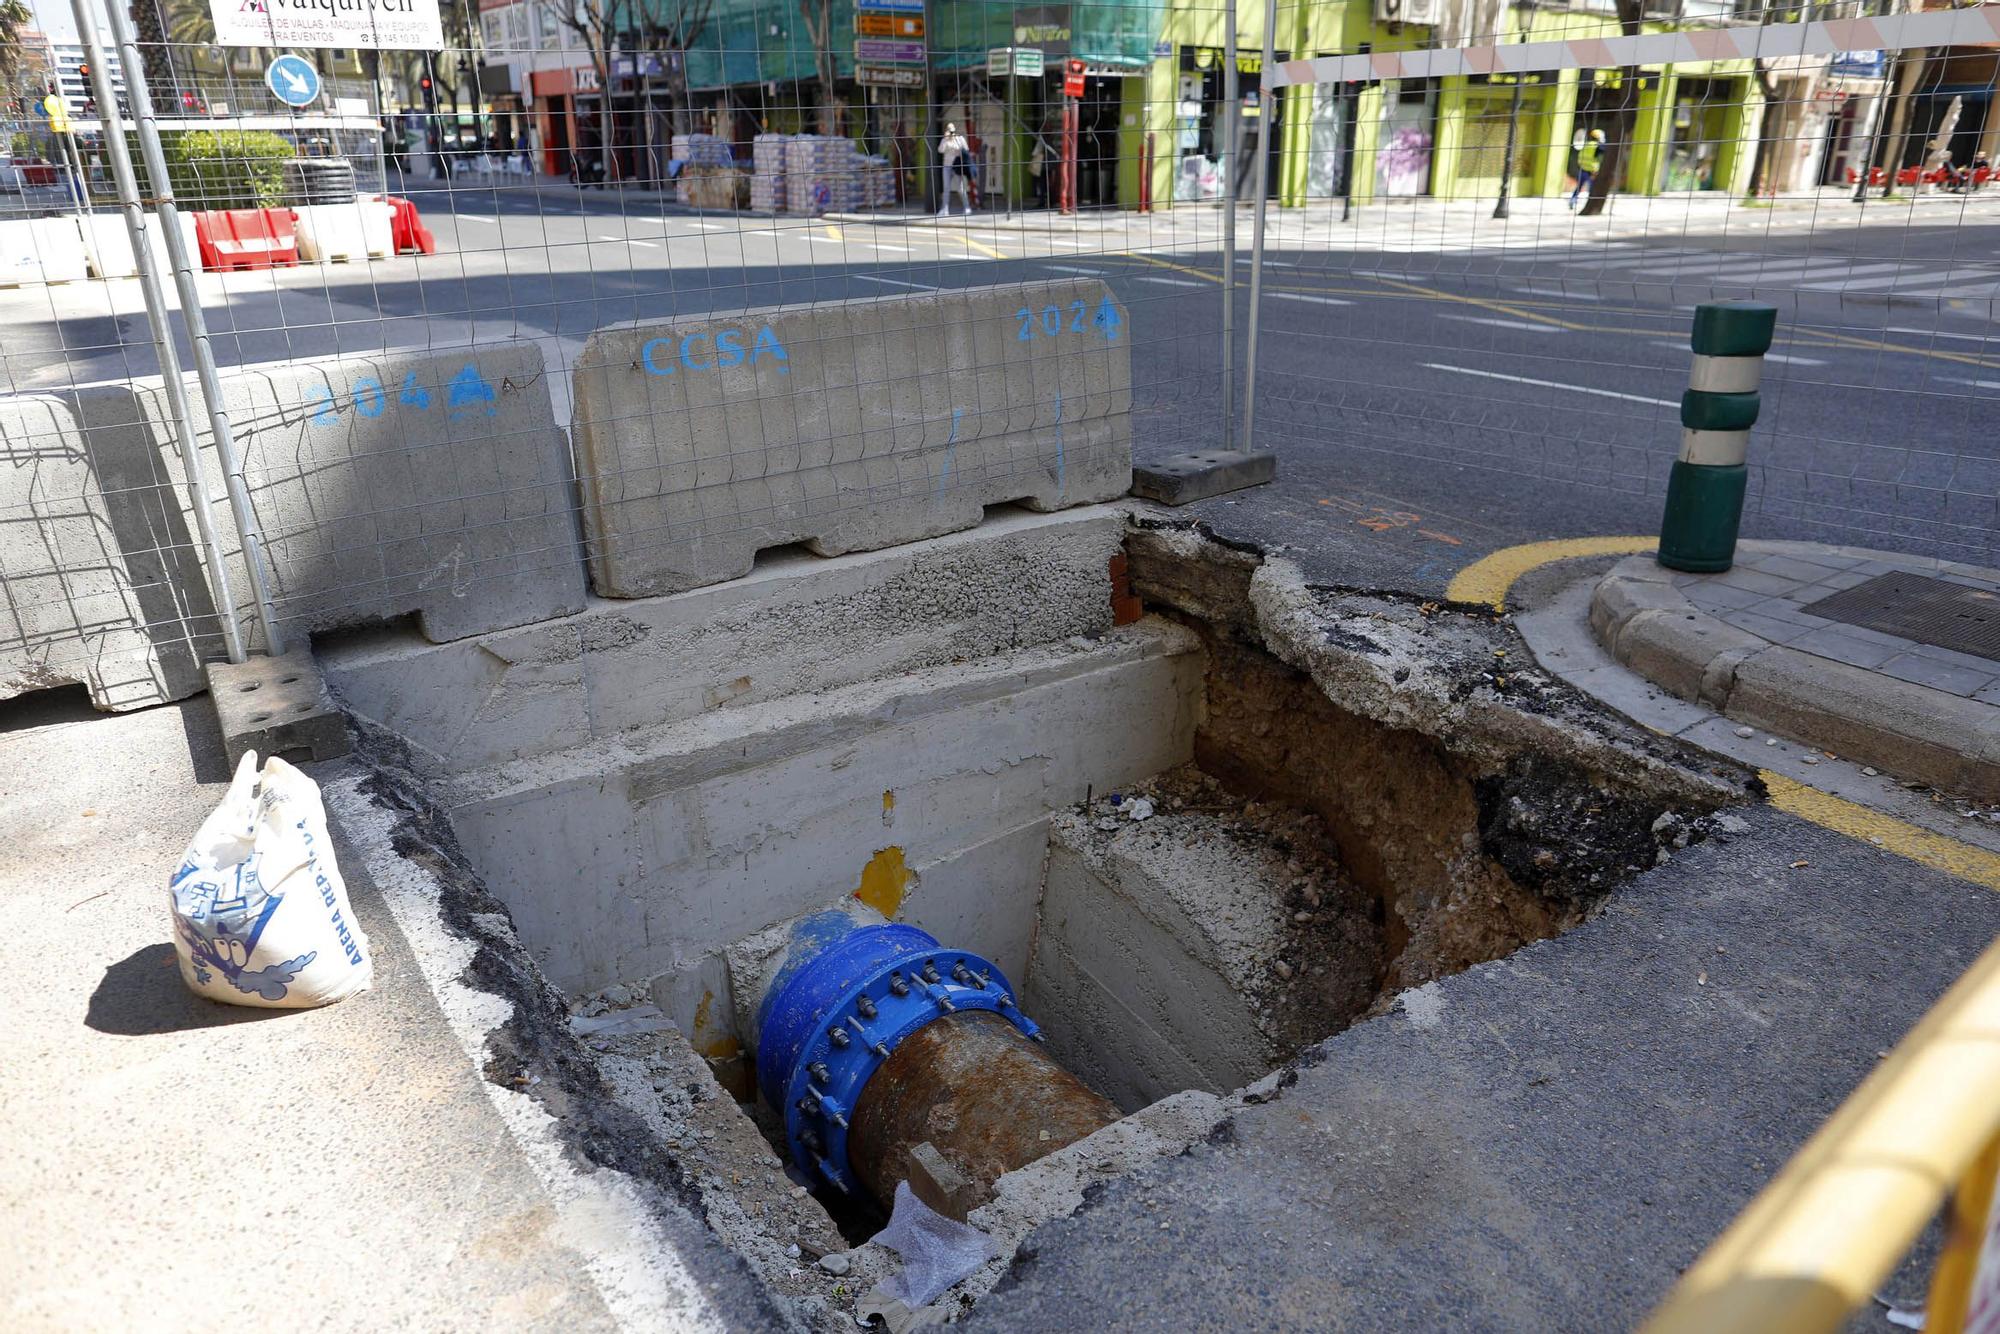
407	233
245	238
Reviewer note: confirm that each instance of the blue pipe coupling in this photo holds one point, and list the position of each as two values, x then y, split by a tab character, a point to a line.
846	998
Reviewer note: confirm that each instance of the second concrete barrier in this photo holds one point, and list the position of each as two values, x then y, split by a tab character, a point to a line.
847	426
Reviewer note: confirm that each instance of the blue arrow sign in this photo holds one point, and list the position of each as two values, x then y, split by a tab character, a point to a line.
293	80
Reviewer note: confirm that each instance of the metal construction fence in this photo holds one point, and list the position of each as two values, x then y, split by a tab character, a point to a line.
621	295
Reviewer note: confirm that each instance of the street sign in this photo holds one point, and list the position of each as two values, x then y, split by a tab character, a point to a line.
1073	78
890	6
888	25
292	80
1021	62
405	25
873	51
889	76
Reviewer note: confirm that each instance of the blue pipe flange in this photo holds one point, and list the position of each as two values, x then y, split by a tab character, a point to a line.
826	1029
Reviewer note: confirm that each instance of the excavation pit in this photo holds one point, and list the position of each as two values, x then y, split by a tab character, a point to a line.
1196	844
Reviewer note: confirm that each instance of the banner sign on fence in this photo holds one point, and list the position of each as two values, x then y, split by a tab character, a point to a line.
371	25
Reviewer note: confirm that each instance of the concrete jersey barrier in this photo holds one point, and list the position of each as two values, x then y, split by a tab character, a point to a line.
386	485
848	427
103	583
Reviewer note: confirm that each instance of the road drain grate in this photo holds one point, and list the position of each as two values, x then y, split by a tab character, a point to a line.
1914	606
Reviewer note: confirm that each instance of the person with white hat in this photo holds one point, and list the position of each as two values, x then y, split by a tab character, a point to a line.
953	152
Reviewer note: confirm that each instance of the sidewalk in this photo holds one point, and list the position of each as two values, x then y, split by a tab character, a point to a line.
1888	662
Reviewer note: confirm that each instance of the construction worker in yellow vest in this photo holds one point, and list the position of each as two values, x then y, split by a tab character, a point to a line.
1588	159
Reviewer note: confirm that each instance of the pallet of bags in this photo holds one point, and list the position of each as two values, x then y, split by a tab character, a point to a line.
767	173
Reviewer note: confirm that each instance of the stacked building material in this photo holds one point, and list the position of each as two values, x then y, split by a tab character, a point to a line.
767	173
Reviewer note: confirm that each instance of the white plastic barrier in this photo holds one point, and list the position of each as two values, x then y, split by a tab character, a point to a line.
41	250
332	232
107	246
378	231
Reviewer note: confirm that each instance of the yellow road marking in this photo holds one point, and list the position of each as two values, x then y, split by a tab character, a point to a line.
1938	851
984	249
833	232
1502	307
1488	579
1177	268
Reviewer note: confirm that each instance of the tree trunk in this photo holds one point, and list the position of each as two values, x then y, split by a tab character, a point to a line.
149	30
1612	167
1909	73
1760	165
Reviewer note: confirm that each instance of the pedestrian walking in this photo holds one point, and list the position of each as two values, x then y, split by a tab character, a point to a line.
954	152
1589	159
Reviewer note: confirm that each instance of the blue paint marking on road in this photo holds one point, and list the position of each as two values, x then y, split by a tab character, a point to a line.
292	80
950	449
703	352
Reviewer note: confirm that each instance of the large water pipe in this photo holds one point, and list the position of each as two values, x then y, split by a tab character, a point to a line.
894	1058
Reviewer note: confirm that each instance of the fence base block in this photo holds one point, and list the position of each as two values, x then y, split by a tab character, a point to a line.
1186	478
277	706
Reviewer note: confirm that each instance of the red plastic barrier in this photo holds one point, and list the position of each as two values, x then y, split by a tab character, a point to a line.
245	238
407	233
1907	176
37	173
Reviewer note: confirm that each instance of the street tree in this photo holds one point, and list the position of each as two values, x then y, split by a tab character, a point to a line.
1617	144
597	23
818	16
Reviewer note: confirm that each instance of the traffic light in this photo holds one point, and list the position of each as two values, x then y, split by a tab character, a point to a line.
84	70
424	83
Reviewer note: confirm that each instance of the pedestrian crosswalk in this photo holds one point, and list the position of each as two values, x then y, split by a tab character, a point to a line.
1639	271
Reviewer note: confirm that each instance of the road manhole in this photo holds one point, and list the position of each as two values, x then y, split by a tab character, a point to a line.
1914	606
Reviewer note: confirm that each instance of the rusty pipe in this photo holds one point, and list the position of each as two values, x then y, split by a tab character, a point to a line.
960	1103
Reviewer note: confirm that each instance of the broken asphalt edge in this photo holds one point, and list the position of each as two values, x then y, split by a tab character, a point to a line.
1557	631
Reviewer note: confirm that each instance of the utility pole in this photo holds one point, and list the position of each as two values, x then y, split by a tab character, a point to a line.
1525	16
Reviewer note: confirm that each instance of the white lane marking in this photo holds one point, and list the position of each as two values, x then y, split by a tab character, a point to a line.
1944	333
890	245
1976	384
1301	296
1768	356
893	282
1552	384
1522	325
474	217
1817	276
1071	268
1548	292
1907	274
1169	282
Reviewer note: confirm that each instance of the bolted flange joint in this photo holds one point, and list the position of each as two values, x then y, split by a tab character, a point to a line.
839	1016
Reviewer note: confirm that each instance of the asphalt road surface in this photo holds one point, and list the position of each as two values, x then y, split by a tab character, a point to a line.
1436	385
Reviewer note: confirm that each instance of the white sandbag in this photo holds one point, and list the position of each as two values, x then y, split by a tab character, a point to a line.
260	912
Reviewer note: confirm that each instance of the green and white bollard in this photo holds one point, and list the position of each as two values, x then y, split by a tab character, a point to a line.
1705	493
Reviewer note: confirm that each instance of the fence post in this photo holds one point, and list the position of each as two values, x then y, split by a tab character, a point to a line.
1265	142
191	313
1705	491
1229	93
163	334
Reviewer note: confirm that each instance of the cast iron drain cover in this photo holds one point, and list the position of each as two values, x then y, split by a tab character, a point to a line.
1913	606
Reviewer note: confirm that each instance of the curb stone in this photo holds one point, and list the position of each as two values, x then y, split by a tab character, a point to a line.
1944	740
